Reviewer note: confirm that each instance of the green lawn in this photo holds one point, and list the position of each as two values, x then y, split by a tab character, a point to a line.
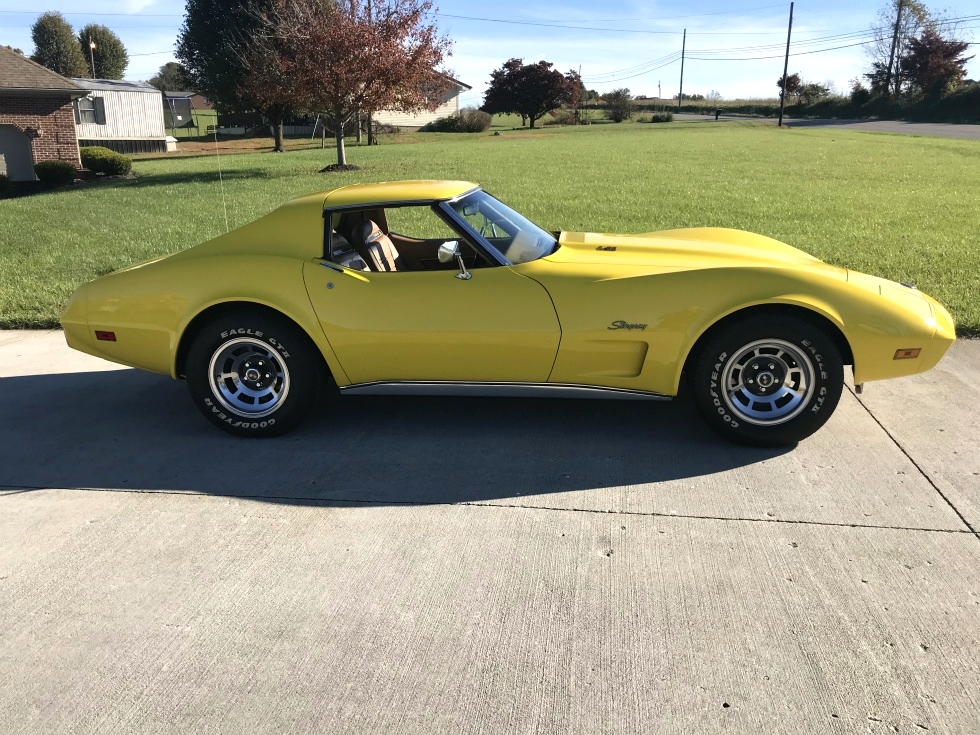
896	206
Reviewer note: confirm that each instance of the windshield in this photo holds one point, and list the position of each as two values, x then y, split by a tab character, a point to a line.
516	238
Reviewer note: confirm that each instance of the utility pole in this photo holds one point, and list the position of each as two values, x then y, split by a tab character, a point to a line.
91	55
782	97
891	56
680	94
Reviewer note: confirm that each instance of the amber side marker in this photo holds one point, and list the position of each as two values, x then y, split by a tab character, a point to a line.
111	336
908	354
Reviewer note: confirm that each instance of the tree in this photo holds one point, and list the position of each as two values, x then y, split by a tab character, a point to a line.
793	84
109	53
531	90
342	59
211	45
619	104
171	77
934	65
56	47
897	22
15	50
811	92
501	96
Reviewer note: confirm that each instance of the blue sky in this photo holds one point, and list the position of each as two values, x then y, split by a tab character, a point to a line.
615	44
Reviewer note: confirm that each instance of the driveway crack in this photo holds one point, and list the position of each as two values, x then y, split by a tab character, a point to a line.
915	464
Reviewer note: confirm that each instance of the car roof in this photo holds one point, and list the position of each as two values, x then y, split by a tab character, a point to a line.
393	192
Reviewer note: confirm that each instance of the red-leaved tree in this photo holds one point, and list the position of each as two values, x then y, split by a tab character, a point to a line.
935	65
531	90
348	57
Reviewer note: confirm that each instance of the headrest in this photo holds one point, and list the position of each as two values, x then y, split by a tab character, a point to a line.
366	232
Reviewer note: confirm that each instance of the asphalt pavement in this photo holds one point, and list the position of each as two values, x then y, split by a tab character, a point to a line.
404	565
936	130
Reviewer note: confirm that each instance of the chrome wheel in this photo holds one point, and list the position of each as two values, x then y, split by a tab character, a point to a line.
248	377
768	382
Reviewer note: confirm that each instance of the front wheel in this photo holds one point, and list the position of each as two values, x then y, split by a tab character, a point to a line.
253	374
768	381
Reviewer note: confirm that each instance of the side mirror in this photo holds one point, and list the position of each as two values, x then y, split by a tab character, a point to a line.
450	250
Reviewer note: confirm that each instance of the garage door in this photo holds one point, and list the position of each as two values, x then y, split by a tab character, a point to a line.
16	158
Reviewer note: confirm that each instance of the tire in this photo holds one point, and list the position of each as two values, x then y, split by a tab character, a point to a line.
768	381
254	374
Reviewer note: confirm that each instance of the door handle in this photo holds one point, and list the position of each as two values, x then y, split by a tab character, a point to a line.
345	271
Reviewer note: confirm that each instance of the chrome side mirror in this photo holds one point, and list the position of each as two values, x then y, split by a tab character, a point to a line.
450	250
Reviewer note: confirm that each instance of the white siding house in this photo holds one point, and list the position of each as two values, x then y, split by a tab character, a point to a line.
449	106
394	118
124	116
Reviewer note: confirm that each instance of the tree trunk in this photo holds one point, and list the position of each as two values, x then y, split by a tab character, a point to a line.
339	135
277	131
358	119
532	121
370	129
523	119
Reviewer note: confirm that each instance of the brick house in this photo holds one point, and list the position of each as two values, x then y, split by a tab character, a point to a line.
37	121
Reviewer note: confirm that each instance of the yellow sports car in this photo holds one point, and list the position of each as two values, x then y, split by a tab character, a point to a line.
436	287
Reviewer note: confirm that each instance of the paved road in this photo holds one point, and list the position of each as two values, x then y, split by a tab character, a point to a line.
939	130
482	566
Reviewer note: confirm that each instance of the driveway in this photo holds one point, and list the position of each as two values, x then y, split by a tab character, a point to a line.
482	566
937	130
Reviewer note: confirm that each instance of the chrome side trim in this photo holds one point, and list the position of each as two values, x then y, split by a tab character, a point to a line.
500	390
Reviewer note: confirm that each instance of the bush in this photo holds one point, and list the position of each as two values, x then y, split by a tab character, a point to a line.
467	120
55	173
564	116
101	160
619	105
661	117
4	184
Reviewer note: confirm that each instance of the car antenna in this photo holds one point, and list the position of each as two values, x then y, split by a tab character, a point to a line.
221	181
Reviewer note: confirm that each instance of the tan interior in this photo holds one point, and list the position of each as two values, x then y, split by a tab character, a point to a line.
361	240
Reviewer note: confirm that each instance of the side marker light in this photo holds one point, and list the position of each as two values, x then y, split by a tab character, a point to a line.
109	336
908	354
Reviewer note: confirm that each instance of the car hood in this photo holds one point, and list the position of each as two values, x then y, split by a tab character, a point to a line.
701	247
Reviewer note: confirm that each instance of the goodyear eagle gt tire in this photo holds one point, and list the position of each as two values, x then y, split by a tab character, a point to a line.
253	374
768	381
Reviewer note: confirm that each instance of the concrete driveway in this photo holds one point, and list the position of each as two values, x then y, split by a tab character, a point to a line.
482	566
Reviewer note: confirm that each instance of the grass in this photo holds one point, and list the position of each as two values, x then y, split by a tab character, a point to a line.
895	206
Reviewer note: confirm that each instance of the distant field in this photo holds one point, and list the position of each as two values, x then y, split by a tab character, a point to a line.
895	206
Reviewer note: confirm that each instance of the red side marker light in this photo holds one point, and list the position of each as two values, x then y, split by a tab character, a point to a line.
111	336
908	354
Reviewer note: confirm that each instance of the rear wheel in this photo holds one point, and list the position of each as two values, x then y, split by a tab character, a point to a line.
254	374
770	381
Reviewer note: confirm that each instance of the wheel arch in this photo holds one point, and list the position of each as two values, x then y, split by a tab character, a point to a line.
829	324
199	320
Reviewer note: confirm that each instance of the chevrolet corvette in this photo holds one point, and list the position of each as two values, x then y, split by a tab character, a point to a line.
437	287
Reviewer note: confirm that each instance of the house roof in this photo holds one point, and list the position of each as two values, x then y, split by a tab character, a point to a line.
115	85
19	75
462	85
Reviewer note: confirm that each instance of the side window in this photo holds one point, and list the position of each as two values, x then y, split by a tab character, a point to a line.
85	110
90	110
418	223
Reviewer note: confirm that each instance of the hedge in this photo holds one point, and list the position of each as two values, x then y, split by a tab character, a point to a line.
55	173
105	161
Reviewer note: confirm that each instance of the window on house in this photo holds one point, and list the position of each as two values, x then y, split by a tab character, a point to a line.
85	110
90	110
